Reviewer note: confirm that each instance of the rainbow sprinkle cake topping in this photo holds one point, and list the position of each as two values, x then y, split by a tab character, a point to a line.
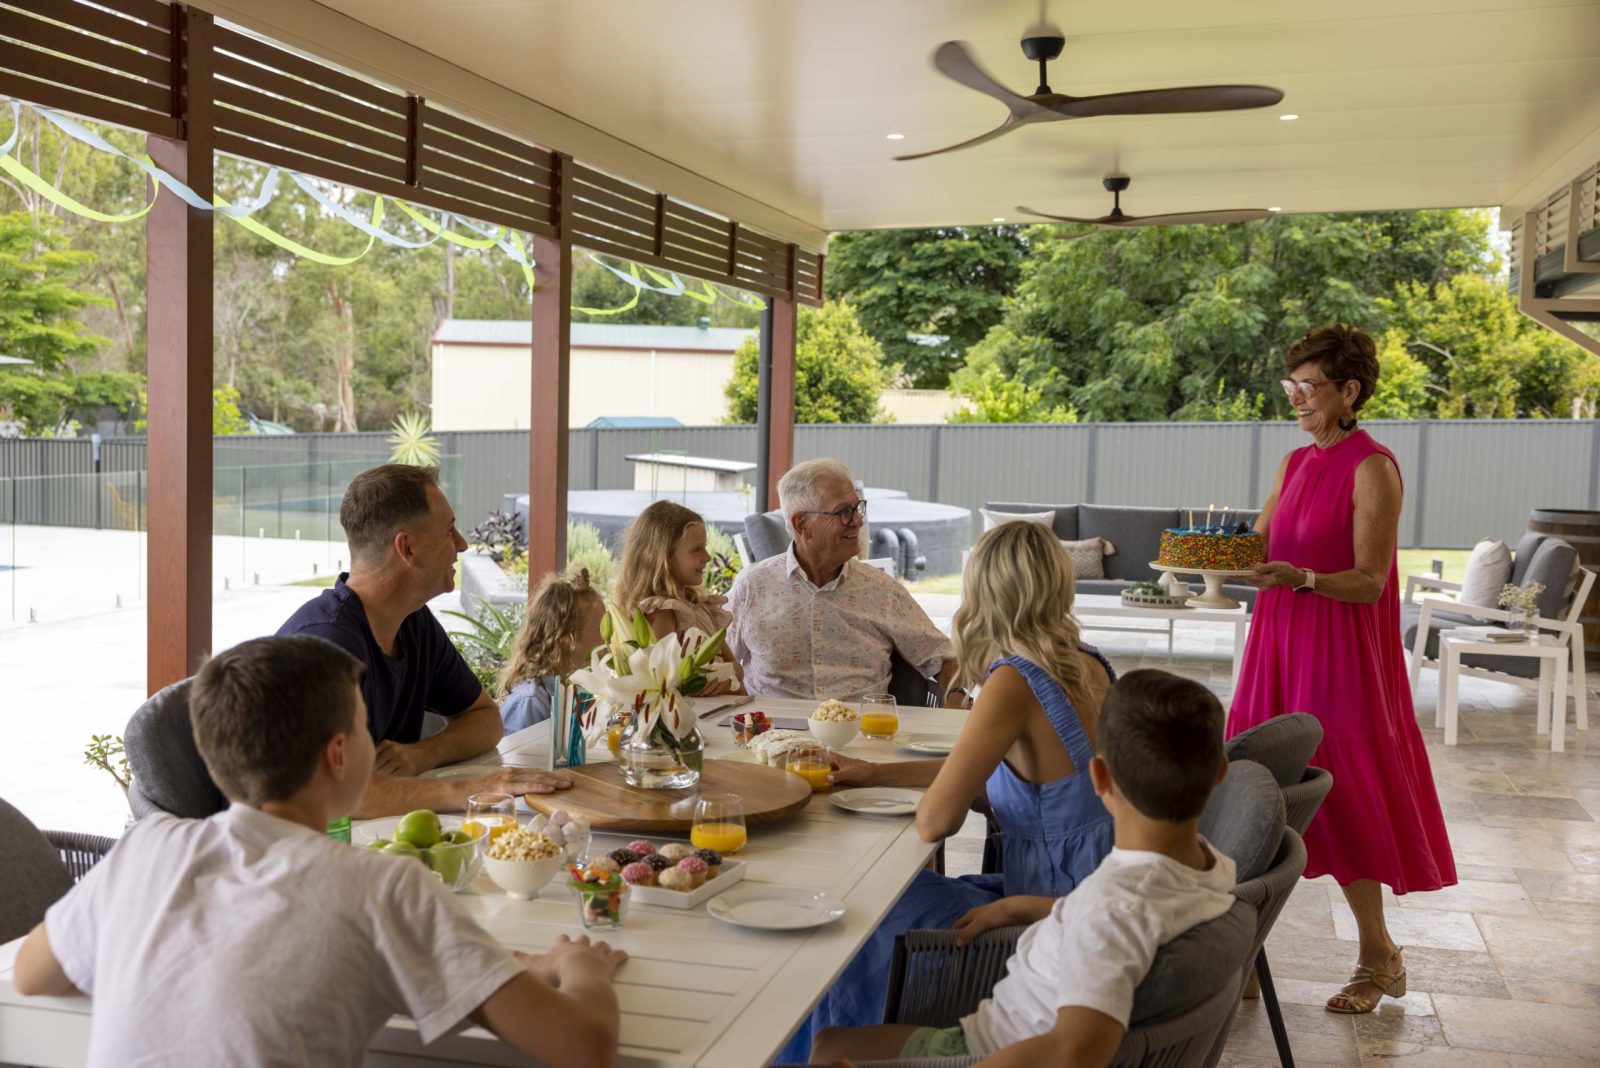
1211	549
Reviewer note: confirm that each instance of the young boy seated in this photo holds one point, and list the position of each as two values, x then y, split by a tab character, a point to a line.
253	938
1068	989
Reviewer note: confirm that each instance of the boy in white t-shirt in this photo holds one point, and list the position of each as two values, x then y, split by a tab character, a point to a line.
1068	990
251	938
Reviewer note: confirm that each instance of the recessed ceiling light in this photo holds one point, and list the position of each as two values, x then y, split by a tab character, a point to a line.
1288	118
998	218
896	136
1274	209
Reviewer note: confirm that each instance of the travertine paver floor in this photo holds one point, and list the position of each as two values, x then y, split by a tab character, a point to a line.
1504	968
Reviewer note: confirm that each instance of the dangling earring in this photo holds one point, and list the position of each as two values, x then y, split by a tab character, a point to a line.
1347	425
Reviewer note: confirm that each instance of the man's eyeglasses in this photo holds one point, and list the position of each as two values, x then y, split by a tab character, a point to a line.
849	513
1305	388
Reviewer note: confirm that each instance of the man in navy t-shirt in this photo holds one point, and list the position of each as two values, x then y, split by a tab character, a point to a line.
403	549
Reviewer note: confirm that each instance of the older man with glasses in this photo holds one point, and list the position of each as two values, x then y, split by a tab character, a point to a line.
816	622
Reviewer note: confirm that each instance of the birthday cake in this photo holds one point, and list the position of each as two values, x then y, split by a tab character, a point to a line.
1211	549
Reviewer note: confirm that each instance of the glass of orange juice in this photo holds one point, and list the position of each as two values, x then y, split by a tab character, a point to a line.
880	717
718	823
490	814
812	761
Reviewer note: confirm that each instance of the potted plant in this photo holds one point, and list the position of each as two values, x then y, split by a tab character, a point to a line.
1523	599
105	752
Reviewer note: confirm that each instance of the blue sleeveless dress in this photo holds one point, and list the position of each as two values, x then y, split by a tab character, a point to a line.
1053	836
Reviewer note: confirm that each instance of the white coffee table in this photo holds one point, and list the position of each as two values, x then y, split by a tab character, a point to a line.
1109	605
1552	655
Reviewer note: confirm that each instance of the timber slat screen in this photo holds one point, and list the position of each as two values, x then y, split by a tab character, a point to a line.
112	61
1557	218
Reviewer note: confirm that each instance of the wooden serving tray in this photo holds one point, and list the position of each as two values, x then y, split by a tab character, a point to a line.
599	794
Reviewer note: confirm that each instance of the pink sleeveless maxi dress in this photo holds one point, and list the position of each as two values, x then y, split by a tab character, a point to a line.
1344	664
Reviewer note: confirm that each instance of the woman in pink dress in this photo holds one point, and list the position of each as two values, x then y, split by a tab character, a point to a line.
1325	639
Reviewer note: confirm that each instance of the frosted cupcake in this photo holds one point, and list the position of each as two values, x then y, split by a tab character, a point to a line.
657	863
711	859
641	848
696	869
676	851
624	857
676	879
639	874
605	864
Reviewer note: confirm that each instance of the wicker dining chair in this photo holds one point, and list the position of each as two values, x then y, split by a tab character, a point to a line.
80	852
934	984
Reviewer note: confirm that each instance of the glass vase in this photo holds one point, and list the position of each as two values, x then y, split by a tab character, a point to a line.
656	760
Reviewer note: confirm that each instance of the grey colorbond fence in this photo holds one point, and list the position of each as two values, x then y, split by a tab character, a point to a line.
1463	479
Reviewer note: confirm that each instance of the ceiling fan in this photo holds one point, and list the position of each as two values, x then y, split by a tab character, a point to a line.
1116	183
1045	105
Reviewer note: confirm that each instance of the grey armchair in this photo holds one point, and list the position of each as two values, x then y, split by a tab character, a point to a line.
1284	745
168	772
766	534
32	878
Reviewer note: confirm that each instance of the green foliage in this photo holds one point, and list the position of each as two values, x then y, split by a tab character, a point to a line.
105	752
1403	382
489	640
412	443
226	417
949	282
839	373
997	397
585	549
46	405
1193	322
499	537
39	298
724	564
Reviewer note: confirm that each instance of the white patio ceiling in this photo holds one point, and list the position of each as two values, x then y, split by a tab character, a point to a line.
786	103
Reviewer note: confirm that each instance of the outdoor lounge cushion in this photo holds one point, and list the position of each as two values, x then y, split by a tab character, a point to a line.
165	762
1554	564
1283	745
1088	557
992	519
1523	556
766	534
33	877
1066	515
1136	532
1488	569
1245	818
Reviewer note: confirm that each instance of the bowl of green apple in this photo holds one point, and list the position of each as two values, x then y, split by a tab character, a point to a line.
441	844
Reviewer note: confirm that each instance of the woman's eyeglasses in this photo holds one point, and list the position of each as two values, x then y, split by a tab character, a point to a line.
1307	387
848	513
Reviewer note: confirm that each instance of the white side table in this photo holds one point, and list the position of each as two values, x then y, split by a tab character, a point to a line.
1552	654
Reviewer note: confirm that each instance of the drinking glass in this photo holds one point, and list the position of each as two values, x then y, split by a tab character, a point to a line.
491	815
718	823
880	717
812	761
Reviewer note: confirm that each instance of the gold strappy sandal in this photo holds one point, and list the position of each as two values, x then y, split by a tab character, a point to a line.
1351	1003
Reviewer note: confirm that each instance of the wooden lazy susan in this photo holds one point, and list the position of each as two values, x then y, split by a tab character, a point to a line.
599	794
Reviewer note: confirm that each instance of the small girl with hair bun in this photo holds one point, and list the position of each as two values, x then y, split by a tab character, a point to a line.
560	629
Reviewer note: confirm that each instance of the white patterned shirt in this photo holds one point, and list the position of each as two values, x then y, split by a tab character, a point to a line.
796	640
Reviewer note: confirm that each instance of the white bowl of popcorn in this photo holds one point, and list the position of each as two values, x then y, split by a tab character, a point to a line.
834	724
522	861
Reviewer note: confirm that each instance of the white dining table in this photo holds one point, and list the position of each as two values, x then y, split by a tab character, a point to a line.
694	991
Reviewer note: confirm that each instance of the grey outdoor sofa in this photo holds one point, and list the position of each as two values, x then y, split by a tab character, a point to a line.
1136	533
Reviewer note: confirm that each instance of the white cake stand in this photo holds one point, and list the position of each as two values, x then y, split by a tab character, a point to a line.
1213	597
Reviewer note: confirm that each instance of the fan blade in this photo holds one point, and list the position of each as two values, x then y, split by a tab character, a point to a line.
1060	218
954	61
1010	124
1195	218
1168	101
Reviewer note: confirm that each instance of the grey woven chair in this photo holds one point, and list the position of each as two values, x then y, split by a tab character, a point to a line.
80	852
766	534
168	773
33	877
1179	1009
1284	745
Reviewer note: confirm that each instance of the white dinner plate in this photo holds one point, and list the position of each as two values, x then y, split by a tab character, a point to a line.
877	800
775	908
926	744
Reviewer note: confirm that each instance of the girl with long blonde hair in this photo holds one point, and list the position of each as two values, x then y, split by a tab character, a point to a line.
561	626
662	574
1026	745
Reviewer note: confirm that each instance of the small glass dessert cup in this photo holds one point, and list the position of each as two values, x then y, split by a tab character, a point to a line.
746	725
602	896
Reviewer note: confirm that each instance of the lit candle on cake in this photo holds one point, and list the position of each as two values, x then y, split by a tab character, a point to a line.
1209	508
1191	519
